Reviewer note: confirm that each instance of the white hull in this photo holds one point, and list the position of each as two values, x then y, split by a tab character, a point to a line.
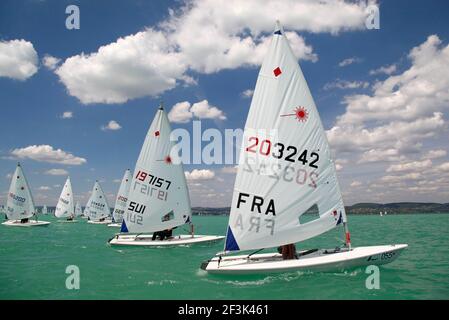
115	225
100	222
30	223
145	240
315	261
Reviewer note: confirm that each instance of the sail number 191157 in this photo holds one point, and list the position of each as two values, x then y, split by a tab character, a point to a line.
280	151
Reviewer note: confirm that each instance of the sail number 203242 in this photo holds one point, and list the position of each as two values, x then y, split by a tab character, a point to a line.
280	151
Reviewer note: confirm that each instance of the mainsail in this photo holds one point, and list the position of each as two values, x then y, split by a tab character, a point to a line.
285	165
97	205
20	203
78	211
122	197
44	210
158	198
66	205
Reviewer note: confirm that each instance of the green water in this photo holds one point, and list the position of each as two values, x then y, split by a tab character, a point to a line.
33	263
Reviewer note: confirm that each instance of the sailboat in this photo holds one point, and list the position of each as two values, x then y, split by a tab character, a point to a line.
44	210
121	200
98	208
285	168
66	205
158	198
20	204
78	211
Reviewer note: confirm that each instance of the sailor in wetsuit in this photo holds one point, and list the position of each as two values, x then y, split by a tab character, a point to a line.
164	234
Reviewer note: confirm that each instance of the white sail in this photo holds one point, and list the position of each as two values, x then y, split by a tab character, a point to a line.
44	210
78	211
158	198
20	203
98	207
285	163
122	197
66	204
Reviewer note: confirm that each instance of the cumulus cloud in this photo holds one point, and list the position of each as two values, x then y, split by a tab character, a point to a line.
44	188
57	172
183	112
355	183
247	93
196	174
410	166
435	154
203	36
51	62
18	59
67	115
112	125
349	61
388	70
344	84
46	153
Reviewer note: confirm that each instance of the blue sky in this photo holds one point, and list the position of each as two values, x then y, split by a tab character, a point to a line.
401	157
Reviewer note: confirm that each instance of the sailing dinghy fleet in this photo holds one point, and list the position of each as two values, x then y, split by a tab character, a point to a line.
285	169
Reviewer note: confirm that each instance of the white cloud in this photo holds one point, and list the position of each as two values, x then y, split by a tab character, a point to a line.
180	113
408	176
203	110
44	188
18	59
349	61
67	115
247	93
229	169
355	183
203	174
57	172
435	154
51	62
112	125
46	153
204	36
410	166
344	84
384	70
183	112
381	155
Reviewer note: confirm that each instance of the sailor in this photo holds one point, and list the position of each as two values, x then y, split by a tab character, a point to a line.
288	251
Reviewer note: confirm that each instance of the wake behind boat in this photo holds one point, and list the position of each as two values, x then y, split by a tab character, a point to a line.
158	199
285	169
20	204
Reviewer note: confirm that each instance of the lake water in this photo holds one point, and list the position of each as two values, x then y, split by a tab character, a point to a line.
33	262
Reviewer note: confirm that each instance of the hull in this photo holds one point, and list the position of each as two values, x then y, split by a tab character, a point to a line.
100	222
145	240
115	225
312	260
31	223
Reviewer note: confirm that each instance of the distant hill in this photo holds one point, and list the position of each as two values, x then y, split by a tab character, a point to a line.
359	208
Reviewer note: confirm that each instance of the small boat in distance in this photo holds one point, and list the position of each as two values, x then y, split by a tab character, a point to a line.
98	208
44	210
285	169
78	211
121	200
66	204
20	206
158	199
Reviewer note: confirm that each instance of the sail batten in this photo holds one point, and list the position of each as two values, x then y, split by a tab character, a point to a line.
285	165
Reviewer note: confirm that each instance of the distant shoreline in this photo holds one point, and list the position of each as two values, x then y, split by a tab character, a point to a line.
358	209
